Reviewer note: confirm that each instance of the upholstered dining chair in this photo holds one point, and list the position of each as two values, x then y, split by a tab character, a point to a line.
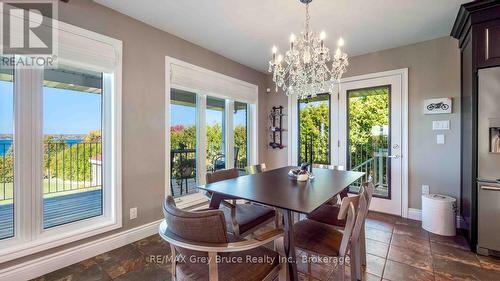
321	239
242	219
333	215
201	248
255	169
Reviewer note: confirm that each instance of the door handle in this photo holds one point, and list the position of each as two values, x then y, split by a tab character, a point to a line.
394	156
489	187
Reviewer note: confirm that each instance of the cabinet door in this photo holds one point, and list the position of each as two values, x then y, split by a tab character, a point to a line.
488	44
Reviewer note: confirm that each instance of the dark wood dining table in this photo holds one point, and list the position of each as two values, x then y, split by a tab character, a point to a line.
275	188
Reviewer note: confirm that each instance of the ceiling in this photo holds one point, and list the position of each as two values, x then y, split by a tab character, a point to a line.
245	31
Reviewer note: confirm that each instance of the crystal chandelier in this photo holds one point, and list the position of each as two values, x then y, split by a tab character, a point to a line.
308	69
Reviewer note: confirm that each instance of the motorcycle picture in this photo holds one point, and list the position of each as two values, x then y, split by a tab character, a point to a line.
439	105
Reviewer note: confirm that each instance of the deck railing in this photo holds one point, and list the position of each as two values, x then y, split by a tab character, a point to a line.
67	167
375	167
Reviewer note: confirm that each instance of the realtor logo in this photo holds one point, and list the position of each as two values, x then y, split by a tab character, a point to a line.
29	32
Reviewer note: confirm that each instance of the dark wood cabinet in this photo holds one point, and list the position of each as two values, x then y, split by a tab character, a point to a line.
488	44
477	27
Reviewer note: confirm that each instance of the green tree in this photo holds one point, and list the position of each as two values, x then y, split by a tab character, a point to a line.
366	110
314	122
7	166
72	162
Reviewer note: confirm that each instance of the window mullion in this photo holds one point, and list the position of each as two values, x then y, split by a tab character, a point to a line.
37	151
229	134
23	136
201	137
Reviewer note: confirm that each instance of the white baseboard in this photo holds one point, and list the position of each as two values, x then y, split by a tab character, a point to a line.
416	214
40	266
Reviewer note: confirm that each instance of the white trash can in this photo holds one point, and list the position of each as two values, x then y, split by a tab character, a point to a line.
439	214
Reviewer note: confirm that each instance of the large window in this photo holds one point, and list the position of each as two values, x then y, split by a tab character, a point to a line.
240	135
215	126
6	154
314	124
60	146
183	160
212	120
72	146
192	115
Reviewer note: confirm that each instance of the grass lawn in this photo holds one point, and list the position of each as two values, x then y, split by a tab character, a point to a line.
52	188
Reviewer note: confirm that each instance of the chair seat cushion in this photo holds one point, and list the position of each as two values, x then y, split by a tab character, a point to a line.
327	214
317	237
262	262
248	216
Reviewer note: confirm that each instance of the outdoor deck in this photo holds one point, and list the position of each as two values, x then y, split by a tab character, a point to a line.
58	210
69	208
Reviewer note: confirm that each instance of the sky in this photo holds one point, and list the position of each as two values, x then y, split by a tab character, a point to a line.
73	112
64	111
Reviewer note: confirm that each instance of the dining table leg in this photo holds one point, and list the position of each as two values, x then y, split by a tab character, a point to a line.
290	246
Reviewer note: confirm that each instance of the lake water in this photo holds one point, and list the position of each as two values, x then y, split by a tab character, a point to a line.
5	144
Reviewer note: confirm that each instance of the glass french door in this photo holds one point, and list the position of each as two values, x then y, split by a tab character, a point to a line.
370	134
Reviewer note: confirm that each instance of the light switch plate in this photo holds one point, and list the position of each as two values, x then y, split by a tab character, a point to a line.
441	125
440	139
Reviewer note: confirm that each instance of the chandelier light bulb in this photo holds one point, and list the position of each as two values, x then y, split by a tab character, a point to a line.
292	38
280	58
322	35
338	53
341	42
275	49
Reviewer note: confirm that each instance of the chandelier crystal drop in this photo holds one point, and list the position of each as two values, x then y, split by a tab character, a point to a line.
307	68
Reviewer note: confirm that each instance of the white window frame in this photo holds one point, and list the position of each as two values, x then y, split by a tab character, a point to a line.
208	77
30	237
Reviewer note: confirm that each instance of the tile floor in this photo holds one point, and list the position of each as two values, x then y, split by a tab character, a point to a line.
397	250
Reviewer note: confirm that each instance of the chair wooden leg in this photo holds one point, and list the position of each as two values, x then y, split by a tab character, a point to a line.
355	255
174	262
277	218
309	266
212	267
362	247
340	273
283	276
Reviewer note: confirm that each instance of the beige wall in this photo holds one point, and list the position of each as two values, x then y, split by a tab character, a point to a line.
433	69
434	72
144	51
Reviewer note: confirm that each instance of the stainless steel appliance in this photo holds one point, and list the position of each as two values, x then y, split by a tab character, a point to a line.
489	161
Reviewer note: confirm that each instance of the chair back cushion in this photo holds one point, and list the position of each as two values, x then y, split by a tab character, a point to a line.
222	175
207	226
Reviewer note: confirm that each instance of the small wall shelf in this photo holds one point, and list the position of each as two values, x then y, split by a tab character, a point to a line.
276	127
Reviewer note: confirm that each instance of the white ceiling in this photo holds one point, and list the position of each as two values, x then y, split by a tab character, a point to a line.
245	30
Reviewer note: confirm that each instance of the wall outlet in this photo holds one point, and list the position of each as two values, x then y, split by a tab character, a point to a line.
133	213
425	189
